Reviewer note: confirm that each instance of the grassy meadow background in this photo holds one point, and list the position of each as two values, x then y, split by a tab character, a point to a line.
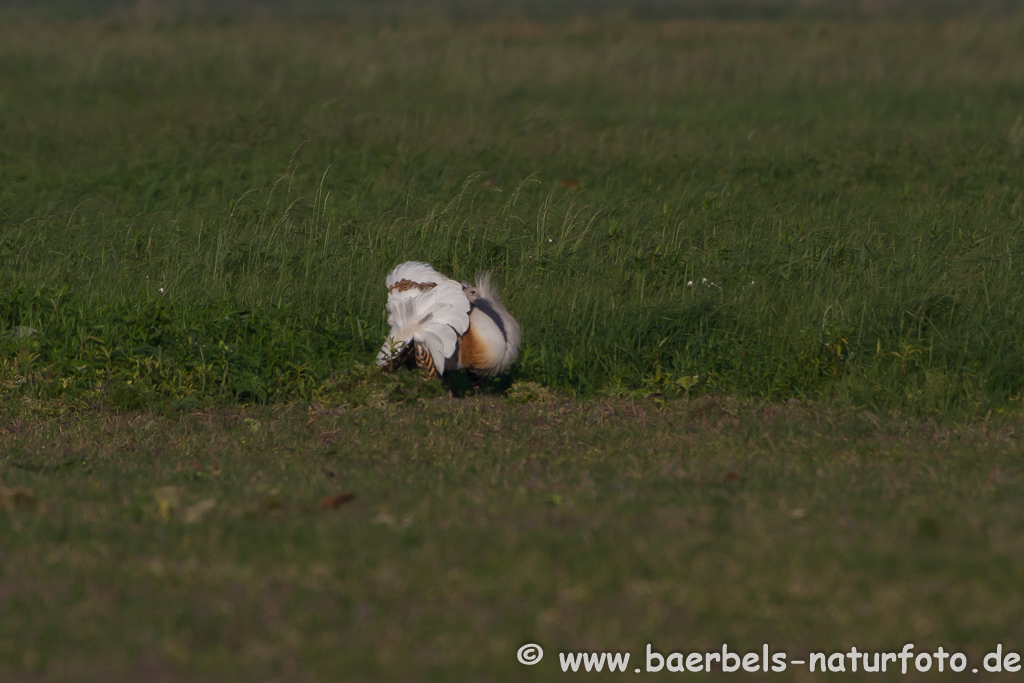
767	259
204	212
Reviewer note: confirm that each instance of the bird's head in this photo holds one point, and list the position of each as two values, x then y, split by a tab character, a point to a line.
470	291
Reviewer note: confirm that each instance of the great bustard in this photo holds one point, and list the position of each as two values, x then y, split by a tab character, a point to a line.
443	325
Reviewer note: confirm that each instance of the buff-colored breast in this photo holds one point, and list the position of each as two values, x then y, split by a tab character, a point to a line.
472	352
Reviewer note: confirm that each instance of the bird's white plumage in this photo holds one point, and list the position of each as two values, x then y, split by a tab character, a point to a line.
434	316
414	271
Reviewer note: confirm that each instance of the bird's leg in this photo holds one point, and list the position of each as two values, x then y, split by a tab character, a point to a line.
447	380
474	379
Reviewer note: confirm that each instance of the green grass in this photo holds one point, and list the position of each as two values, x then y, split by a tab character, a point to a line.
768	274
483	525
194	207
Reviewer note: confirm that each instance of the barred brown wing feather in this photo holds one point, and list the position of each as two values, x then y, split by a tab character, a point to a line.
425	360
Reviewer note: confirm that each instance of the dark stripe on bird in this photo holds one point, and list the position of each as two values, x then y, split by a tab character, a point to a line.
488	309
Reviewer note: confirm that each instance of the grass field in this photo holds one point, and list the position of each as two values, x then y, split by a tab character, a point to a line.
769	276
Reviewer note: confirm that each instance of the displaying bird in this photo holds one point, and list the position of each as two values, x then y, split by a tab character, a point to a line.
444	325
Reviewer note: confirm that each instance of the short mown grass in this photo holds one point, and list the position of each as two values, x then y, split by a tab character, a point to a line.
430	541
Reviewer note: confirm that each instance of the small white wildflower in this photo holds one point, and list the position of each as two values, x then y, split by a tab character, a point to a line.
161	290
703	280
751	282
690	283
550	240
